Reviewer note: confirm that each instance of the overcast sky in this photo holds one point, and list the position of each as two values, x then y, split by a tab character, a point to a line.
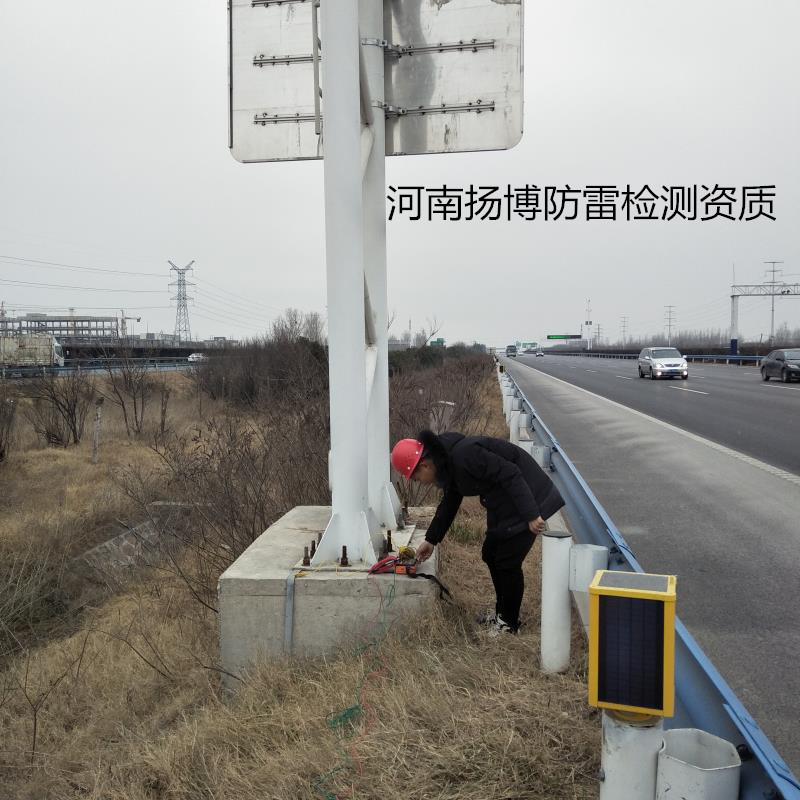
113	154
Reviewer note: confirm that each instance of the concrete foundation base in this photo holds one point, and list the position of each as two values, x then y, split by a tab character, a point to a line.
270	606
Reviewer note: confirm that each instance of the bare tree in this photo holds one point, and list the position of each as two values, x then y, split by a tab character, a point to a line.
314	327
129	386
424	335
60	404
8	410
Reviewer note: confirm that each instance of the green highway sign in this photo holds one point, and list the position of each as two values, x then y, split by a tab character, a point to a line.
564	336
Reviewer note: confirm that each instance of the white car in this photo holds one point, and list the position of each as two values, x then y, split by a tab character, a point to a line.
195	357
539	354
662	362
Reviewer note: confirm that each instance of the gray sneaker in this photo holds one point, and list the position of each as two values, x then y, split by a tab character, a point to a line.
487	617
499	628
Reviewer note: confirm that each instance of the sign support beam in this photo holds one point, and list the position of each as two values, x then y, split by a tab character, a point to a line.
344	256
355	253
382	496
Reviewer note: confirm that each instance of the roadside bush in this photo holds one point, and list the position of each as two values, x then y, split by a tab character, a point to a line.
289	364
227	482
414	394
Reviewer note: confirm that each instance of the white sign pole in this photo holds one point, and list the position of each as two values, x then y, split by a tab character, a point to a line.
344	255
382	496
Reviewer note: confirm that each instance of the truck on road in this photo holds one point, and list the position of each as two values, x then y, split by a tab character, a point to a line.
30	350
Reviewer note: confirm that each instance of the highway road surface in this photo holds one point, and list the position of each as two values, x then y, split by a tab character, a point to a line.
704	485
727	404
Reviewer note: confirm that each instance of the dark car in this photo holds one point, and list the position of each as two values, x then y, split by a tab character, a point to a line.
783	364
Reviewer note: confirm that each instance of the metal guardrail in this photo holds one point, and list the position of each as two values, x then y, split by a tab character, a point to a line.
159	364
715	358
704	699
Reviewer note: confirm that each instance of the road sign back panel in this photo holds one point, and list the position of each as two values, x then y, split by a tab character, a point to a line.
270	97
454	74
453	79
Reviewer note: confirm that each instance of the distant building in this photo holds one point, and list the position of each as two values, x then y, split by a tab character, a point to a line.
61	326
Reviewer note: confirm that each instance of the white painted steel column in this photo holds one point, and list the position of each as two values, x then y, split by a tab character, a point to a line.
556	609
734	316
383	498
629	757
344	258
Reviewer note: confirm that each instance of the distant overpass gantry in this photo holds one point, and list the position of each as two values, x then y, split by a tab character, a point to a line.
769	289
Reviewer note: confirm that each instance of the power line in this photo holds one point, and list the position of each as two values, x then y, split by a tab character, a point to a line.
59	265
37	307
21	260
255	303
79	288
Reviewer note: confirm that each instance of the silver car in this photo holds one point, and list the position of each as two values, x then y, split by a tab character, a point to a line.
662	362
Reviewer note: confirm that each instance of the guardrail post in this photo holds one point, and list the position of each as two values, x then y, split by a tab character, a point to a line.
514	405
556	608
508	396
629	756
541	455
513	426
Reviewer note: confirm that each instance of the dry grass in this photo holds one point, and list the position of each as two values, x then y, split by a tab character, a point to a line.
59	489
448	712
56	504
129	707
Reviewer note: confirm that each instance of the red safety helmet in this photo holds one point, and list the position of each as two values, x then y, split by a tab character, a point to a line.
406	454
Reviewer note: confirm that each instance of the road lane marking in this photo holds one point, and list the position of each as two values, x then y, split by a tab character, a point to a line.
684	389
780	385
624	377
789	477
592	370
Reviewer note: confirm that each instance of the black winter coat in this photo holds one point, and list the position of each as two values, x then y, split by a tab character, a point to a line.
513	488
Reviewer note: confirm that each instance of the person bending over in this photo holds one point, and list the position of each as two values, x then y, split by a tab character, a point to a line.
515	491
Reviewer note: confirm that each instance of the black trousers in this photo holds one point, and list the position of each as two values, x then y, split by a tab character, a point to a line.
504	557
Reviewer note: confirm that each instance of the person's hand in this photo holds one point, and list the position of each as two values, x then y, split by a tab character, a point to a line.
424	552
536	525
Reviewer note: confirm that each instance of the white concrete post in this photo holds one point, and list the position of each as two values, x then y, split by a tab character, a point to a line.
527	445
98	405
629	757
382	495
584	561
513	427
556	608
344	259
